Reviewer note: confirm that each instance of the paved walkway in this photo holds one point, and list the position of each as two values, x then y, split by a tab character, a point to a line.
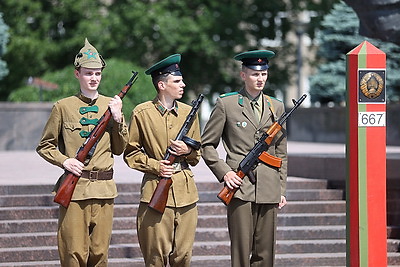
26	167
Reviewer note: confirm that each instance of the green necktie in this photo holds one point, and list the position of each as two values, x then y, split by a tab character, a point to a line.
257	110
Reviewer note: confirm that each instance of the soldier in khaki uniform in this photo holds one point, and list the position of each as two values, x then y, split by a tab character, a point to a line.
165	238
240	119
84	228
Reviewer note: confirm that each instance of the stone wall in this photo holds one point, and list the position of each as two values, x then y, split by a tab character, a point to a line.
328	125
21	125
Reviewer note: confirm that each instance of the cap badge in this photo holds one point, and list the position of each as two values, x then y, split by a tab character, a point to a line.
259	60
90	54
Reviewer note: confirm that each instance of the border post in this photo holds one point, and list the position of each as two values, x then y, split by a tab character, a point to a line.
366	233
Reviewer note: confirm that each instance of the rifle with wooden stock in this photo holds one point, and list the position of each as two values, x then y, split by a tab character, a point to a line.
85	152
160	195
259	154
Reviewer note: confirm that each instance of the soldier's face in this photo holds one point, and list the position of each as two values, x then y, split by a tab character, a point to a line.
173	87
254	79
89	79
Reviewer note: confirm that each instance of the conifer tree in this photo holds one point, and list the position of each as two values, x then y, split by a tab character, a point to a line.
338	36
4	35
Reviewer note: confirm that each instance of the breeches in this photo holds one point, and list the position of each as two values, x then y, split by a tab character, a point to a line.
168	237
252	230
84	232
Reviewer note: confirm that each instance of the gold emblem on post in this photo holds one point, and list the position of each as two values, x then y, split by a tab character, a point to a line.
371	85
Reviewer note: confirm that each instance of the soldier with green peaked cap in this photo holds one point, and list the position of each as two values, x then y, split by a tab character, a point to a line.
256	59
169	65
84	230
168	237
239	119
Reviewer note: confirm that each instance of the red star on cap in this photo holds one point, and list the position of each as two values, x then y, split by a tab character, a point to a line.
259	60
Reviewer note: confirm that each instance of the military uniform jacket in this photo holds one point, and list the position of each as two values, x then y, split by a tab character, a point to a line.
150	131
70	121
233	120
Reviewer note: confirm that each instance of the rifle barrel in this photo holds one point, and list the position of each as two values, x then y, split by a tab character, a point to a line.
297	103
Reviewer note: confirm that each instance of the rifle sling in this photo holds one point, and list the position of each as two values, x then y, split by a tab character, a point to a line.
191	142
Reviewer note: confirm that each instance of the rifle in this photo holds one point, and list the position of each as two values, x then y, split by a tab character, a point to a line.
85	152
160	196
259	153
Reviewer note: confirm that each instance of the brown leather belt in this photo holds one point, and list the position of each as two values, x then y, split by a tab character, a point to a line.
98	175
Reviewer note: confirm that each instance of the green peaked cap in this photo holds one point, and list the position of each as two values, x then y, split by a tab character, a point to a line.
167	65
256	59
88	57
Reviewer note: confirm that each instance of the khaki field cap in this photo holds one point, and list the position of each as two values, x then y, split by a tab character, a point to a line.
89	58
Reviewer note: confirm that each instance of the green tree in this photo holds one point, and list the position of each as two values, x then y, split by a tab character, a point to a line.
114	78
47	33
208	33
4	35
338	36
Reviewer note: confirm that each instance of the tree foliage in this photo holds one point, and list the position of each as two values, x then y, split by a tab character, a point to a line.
4	35
46	34
114	78
338	36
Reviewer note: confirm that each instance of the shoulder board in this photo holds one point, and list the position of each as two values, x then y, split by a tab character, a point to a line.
228	94
276	99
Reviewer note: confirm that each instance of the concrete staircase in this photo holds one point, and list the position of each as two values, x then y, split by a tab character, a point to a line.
311	229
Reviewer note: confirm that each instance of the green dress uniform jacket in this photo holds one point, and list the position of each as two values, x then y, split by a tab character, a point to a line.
70	121
150	131
233	120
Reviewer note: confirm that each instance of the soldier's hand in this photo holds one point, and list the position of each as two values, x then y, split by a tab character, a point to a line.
282	203
115	106
232	180
73	165
166	169
178	148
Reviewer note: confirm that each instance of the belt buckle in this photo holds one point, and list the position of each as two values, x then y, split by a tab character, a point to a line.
93	176
177	167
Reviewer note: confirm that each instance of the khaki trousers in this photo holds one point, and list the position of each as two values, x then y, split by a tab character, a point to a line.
84	232
252	230
168	237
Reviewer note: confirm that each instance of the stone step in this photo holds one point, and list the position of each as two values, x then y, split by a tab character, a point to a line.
300	219
282	260
316	206
202	234
208	248
324	259
209	208
306	183
314	194
122	187
293	183
20	200
302	237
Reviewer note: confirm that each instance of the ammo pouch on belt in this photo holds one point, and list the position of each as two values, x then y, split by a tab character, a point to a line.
191	142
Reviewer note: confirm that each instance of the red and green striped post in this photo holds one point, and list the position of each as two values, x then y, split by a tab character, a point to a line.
366	157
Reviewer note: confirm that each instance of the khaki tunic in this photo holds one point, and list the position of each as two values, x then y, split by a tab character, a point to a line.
233	120
61	140
150	131
252	212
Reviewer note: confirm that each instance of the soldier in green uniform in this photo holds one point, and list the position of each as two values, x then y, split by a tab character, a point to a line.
240	119
168	237
84	228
